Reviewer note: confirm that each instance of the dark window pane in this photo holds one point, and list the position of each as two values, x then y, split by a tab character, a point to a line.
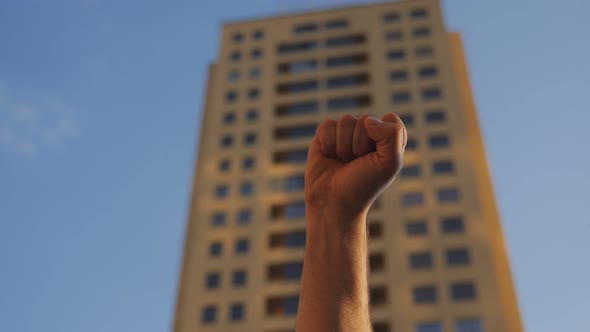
411	144
209	315
253	93
300	66
218	219
229	118
252	115
246	189
297	87
255	73
346	103
295	210
421	32
231	96
376	262
431	94
242	246
439	141
224	165
293	271
301	108
421	260
346	60
413	199
410	171
235	56
258	35
248	163
233	76
425	294
296	182
378	296
303	28
250	138
443	167
347	81
428	72
391	17
256	53
345	41
221	191
381	327
236	311
396	55
418	13
294	132
429	327
290	305
407	119
463	291
295	239
337	24
424	51
458	256
469	325
244	216
292	156
435	117
452	225
375	230
237	37
447	195
393	35
417	228
212	280
239	278
402	97
227	141
297	47
398	76
215	249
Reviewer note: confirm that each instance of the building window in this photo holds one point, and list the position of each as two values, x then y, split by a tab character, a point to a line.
236	312
285	271
443	167
393	35
439	141
345	41
221	191
346	103
256	53
253	93
244	216
290	156
436	116
297	47
469	325
458	256
252	115
296	67
224	165
421	260
452	225
378	296
292	240
407	119
424	51
233	76
421	32
237	37
399	75
247	189
463	291
396	55
250	139
401	97
248	163
381	327
429	327
258	35
447	195
428	72
337	24
431	94
297	87
231	96
255	73
215	249
376	262
229	118
212	280
418	13
304	28
410	171
416	228
391	17
301	108
242	246
282	306
346	60
218	219
235	56
291	210
294	132
425	294
239	278
375	230
413	199
411	144
209	314
347	81
227	141
294	183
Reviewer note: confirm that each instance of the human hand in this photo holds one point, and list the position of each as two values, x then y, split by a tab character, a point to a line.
351	161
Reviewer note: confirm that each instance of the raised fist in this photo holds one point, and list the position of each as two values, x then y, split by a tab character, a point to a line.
351	161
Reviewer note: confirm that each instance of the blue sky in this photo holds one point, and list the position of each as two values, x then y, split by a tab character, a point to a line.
99	113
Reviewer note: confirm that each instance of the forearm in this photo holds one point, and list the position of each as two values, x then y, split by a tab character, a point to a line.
334	287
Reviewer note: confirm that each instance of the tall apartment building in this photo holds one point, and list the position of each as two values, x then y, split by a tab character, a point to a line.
437	256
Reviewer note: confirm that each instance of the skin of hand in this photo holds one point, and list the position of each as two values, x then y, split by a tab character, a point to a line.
350	162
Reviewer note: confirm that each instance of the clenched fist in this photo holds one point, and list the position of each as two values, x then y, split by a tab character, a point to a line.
351	161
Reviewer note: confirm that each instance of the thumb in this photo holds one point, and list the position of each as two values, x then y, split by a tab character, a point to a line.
389	138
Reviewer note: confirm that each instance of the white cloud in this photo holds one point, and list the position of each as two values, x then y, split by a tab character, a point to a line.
29	127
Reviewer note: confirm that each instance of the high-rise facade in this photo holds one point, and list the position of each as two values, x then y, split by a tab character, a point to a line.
437	256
